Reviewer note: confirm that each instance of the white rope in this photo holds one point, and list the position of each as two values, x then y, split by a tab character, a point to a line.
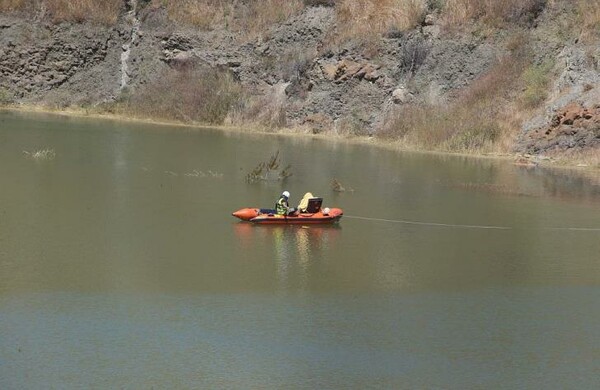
574	229
429	223
465	226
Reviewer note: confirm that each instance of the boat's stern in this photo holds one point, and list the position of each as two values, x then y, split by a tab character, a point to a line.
334	213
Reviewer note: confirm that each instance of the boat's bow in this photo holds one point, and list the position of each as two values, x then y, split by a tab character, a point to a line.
245	214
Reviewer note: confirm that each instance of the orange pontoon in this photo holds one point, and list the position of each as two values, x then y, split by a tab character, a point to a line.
312	215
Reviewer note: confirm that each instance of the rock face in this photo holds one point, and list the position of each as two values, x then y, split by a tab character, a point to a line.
325	85
571	122
347	69
574	127
81	64
37	62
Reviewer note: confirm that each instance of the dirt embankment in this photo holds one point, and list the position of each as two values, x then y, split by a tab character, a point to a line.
316	83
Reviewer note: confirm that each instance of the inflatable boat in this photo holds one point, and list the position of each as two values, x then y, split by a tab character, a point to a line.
313	214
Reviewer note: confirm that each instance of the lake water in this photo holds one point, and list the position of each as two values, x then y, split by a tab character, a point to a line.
121	266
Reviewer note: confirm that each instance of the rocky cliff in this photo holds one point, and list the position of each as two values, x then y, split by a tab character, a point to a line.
349	86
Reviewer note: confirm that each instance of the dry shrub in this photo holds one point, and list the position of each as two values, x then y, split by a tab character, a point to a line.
266	111
448	128
291	64
251	16
102	12
258	15
14	5
499	82
368	18
6	96
589	11
204	14
457	13
189	94
317	123
356	123
476	121
589	157
319	3
413	54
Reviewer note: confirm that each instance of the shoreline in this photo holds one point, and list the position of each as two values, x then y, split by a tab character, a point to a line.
392	145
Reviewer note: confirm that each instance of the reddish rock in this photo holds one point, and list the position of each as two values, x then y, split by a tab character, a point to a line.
572	127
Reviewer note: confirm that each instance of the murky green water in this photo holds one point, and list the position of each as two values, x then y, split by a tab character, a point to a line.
121	267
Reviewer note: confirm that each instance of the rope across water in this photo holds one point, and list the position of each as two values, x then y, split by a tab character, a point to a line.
449	225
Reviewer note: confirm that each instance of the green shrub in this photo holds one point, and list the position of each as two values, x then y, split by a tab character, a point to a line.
6	97
536	79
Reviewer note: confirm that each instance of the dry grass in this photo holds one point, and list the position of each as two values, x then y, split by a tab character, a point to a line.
204	14
266	111
368	18
453	129
103	12
583	158
253	17
14	5
458	13
589	11
477	120
188	95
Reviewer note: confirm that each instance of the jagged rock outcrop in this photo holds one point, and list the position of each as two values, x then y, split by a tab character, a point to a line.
575	127
37	61
571	121
319	85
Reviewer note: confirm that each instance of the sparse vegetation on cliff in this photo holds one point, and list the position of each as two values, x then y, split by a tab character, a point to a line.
461	13
369	18
536	78
104	12
252	16
188	94
474	121
448	75
589	13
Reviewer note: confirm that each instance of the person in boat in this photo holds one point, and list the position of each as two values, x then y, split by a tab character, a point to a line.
282	207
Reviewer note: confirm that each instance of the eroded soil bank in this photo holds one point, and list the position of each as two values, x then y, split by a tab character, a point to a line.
528	87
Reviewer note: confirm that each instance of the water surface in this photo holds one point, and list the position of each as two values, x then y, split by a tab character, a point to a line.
121	267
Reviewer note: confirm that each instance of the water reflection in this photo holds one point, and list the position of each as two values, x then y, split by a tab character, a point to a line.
298	252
